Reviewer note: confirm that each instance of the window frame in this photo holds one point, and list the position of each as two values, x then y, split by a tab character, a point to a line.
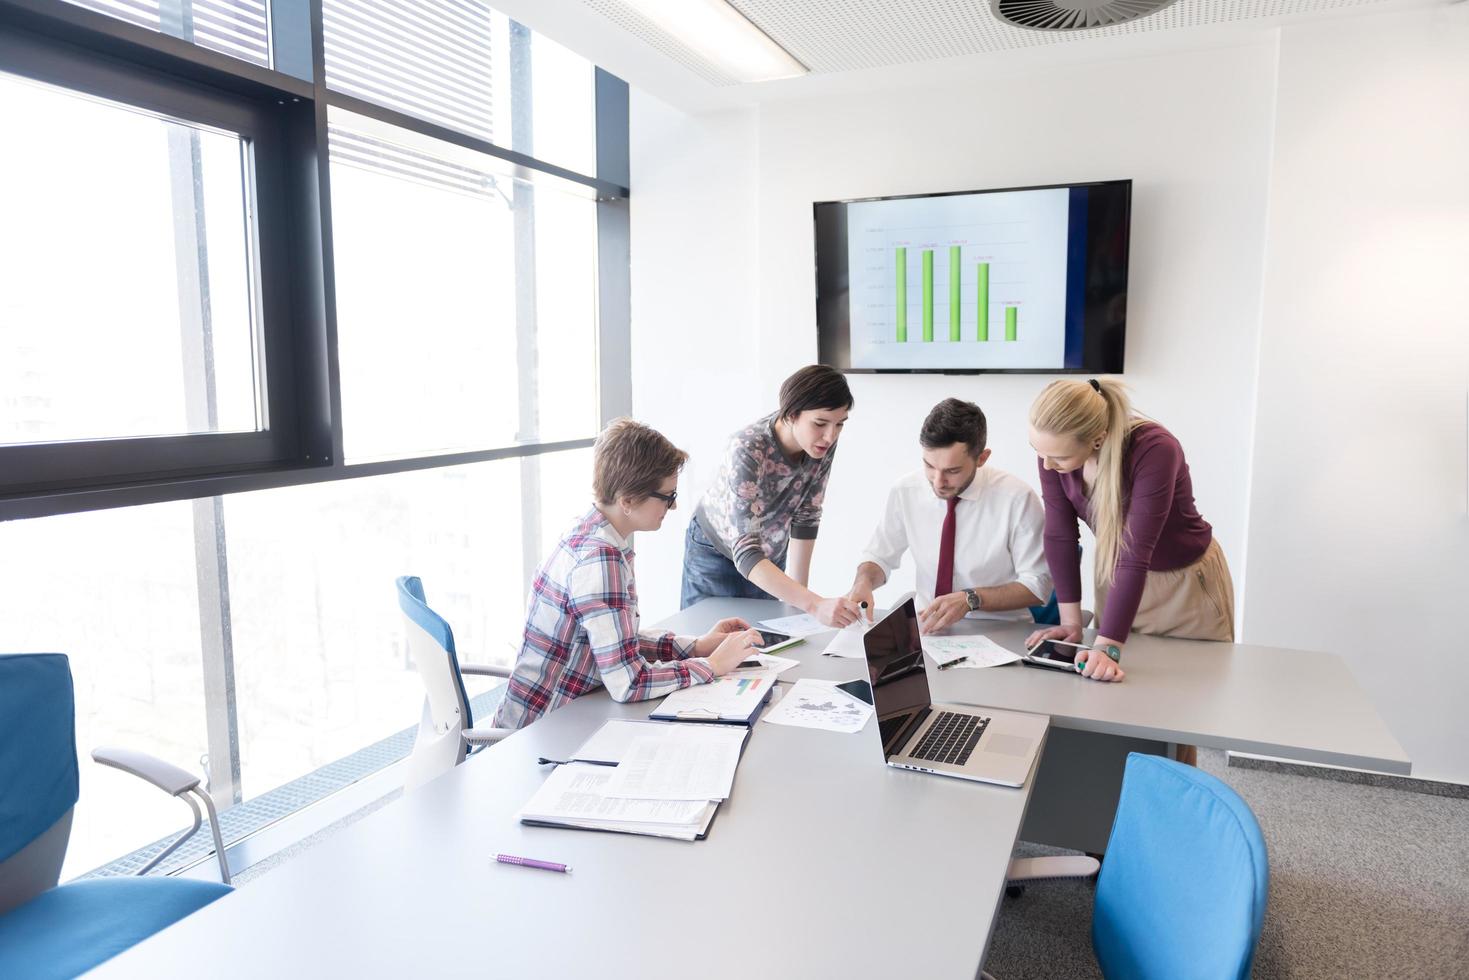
283	111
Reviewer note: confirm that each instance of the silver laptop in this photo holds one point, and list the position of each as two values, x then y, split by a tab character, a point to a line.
948	739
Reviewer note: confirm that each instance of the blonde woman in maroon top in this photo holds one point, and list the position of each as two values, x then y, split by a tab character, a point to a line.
1159	569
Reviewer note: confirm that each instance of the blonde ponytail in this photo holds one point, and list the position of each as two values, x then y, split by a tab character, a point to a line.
1084	410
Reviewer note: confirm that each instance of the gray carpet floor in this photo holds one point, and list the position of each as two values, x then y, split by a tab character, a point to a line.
1366	881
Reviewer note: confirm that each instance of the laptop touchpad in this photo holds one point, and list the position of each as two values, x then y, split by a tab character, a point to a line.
1008	744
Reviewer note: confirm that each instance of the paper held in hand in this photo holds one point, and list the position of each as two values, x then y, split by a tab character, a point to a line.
847	642
802	624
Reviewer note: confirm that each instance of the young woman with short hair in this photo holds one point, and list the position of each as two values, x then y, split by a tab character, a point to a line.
755	529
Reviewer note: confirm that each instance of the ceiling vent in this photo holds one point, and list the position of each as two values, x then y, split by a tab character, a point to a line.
1073	15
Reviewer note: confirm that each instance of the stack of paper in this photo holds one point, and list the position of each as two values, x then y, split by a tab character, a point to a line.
575	795
663	780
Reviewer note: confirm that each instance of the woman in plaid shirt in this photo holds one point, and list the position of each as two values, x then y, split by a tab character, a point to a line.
582	628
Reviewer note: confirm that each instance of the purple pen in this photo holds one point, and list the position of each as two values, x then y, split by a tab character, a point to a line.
533	863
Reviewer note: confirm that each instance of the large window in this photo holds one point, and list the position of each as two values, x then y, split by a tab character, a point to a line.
288	308
466	300
153	214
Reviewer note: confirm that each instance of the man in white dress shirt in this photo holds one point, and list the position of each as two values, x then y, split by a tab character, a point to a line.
975	531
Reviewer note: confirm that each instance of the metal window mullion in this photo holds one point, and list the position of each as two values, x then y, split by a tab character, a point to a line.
526	356
186	180
614	252
326	254
525	166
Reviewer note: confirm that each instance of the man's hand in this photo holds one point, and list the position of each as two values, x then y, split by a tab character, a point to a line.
837	611
863	593
733	649
942	612
709	642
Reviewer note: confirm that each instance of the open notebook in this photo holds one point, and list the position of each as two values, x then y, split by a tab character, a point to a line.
575	795
639	777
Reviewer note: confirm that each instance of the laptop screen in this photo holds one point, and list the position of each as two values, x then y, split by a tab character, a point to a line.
895	668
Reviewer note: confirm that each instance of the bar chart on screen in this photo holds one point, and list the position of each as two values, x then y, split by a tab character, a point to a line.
961	281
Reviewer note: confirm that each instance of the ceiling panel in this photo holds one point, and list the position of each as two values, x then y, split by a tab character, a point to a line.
834	36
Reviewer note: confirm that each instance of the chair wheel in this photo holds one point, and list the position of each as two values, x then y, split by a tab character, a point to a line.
1014	891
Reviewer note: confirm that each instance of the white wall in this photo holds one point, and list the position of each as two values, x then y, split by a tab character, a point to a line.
1192	131
1299	217
693	299
1359	539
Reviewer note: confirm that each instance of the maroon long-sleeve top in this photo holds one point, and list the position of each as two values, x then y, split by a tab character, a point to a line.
1162	528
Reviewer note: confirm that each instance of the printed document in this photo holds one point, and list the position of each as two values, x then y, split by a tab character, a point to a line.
697	762
981	651
820	704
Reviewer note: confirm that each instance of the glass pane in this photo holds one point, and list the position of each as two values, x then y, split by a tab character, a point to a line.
466	303
235	27
444	61
563	97
126	289
321	661
466	66
115	591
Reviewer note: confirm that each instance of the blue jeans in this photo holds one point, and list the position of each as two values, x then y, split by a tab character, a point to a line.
707	573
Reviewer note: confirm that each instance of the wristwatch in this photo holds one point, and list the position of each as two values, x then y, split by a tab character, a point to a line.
971	596
1112	650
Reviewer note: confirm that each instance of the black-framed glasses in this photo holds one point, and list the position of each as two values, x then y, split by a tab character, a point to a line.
671	499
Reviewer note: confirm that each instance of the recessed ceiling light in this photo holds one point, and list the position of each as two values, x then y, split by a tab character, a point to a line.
723	36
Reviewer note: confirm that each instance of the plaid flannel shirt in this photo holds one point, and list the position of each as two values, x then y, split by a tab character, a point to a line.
582	630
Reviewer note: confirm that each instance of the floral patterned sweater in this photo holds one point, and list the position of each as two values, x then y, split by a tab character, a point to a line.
760	500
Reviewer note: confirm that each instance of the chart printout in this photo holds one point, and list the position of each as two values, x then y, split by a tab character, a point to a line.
960	281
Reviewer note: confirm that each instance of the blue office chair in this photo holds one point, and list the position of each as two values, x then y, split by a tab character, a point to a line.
1050	613
1183	890
445	730
48	931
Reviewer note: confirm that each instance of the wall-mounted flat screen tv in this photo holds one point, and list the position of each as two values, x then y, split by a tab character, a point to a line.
1027	279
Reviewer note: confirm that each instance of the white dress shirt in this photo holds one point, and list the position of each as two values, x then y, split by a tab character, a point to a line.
999	525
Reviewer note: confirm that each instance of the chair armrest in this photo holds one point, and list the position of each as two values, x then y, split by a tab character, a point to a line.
166	776
484	670
1040	868
485	736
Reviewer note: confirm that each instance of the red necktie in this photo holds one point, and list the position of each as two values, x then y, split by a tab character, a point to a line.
945	583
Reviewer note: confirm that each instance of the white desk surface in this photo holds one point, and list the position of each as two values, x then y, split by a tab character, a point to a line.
1295	704
805	873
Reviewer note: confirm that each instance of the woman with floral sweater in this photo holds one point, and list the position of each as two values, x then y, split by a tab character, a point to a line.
755	529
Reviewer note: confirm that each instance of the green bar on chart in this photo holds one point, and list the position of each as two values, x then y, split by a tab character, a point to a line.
953	292
928	295
1010	316
983	301
902	295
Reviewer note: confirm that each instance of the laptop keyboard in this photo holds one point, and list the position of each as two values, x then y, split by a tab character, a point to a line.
951	739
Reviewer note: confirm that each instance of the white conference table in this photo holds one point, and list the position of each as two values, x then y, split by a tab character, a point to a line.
824	862
1293	704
